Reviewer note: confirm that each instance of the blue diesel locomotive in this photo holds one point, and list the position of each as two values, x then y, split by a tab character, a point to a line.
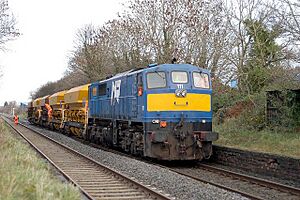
162	111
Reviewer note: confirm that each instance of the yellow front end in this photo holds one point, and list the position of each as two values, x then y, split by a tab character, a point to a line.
169	102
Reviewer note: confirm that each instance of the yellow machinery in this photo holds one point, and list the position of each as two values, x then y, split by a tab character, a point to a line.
30	112
45	100
57	102
76	105
37	110
45	110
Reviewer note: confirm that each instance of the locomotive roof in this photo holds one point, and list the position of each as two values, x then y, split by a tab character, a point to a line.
155	68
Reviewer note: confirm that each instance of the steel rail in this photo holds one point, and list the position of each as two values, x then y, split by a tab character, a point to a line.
256	180
173	170
66	176
146	191
250	196
245	194
295	192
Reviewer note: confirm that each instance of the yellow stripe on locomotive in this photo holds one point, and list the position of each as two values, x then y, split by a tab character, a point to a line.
169	102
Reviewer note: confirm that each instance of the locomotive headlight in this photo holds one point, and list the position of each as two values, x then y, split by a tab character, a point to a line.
183	93
155	121
203	121
178	93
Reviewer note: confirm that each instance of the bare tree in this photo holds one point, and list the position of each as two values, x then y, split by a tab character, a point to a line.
195	32
242	14
70	80
123	40
87	57
211	34
288	12
7	25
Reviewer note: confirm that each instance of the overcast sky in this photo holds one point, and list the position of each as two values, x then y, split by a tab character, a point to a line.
48	31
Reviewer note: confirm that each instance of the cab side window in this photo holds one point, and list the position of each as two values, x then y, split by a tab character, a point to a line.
201	80
102	89
156	80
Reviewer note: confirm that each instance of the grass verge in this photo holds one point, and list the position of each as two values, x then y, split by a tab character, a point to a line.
23	175
281	141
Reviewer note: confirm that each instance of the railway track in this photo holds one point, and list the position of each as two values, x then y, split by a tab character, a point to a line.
248	186
94	179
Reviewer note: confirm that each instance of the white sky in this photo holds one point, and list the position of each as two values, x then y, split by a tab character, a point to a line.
48	31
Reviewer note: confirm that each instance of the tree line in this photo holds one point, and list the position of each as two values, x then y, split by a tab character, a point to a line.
255	42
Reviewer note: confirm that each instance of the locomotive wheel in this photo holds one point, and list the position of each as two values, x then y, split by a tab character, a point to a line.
92	138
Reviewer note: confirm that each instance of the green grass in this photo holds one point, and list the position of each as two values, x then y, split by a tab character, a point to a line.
23	175
281	141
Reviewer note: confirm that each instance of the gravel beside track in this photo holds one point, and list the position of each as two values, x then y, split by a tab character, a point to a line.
178	186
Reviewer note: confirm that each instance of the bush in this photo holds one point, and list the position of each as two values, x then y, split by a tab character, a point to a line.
250	111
